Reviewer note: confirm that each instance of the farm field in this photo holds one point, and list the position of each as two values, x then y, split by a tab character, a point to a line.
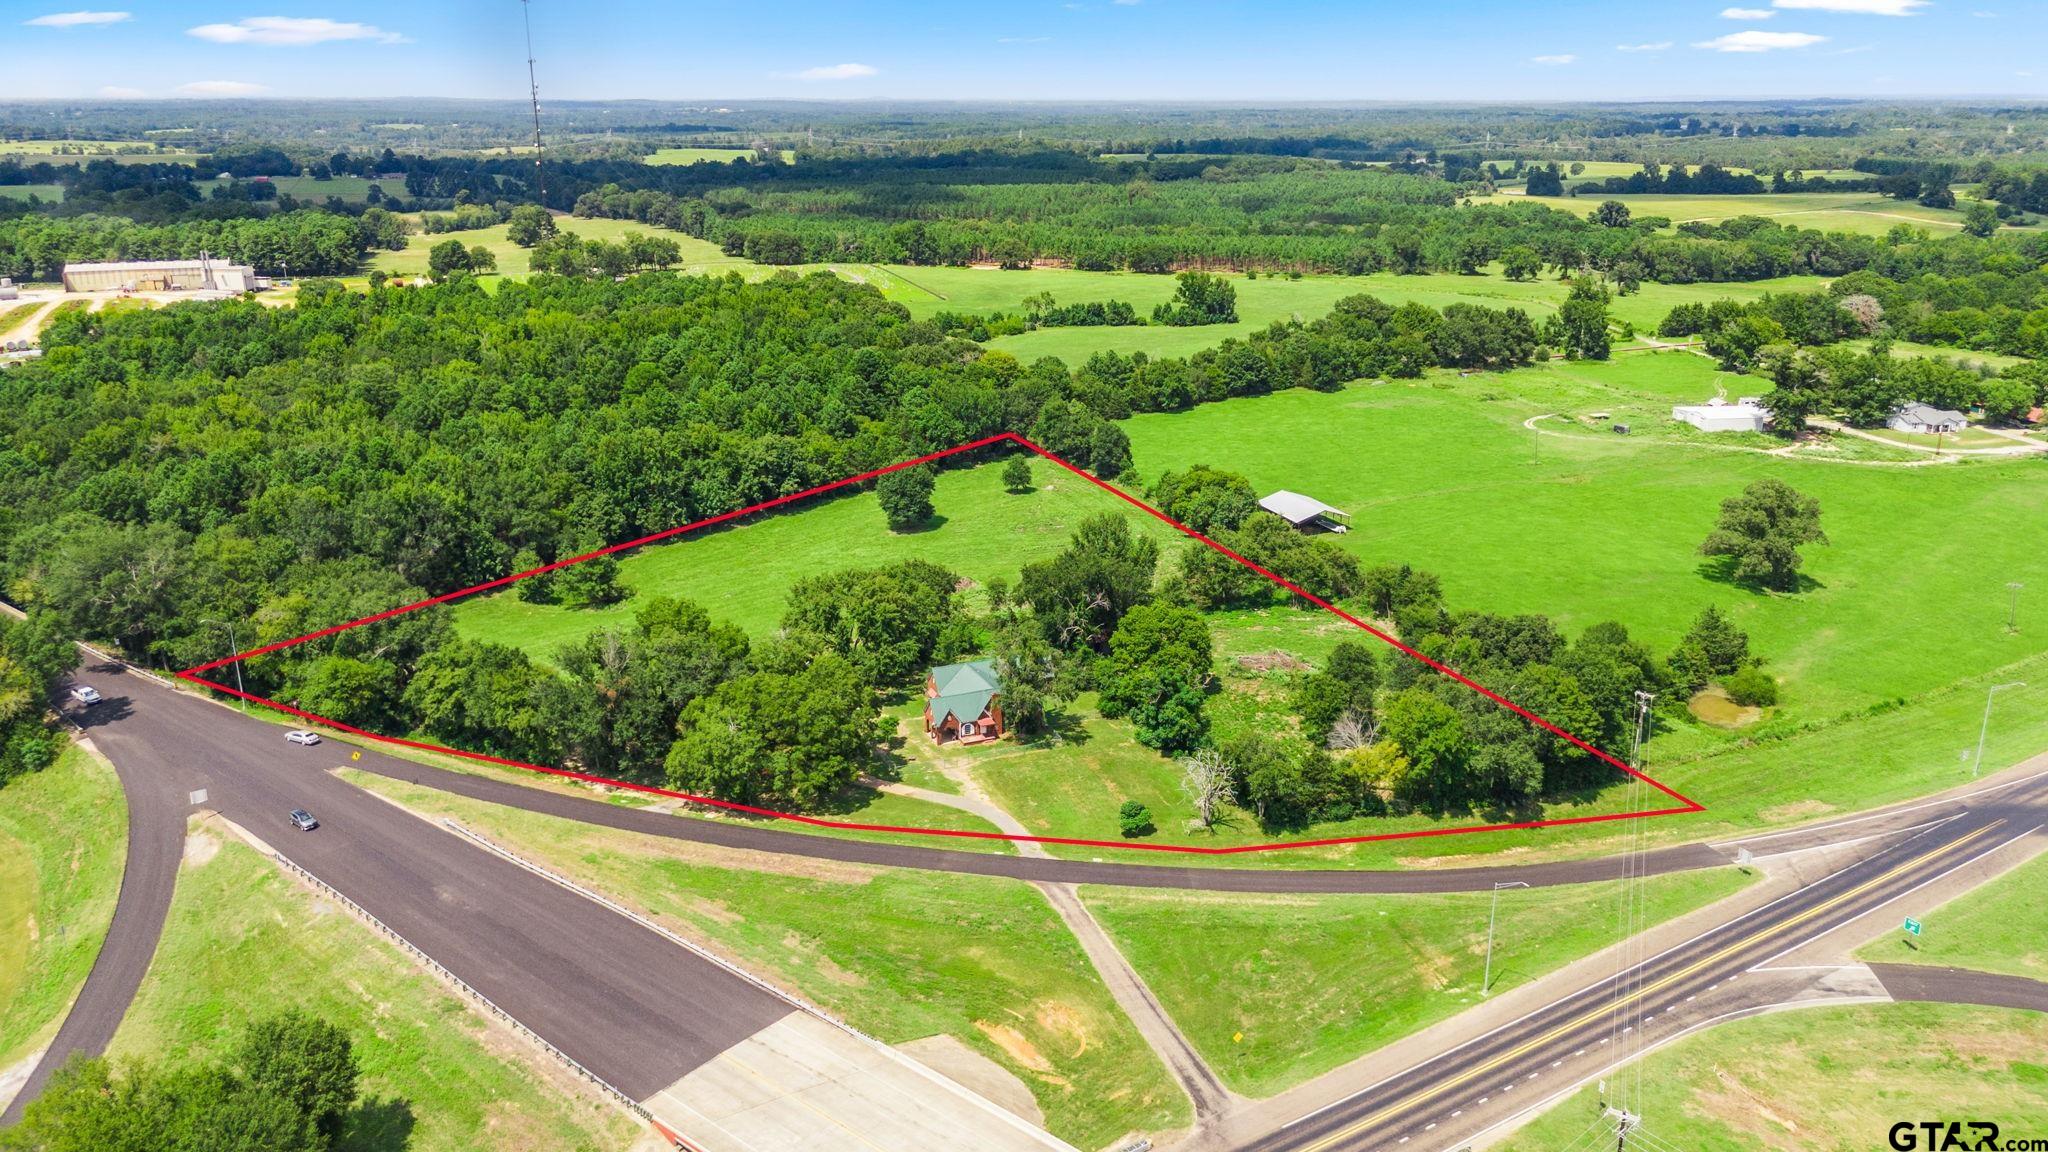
1802	1081
243	941
1275	990
2000	927
900	955
926	291
63	832
350	189
714	155
1859	212
50	193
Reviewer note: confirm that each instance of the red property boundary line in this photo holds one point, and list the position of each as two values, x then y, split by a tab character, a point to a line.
1683	804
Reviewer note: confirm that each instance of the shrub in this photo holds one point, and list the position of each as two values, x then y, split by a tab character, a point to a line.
1751	687
1135	820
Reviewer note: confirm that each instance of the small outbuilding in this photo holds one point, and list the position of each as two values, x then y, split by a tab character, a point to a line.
1306	513
963	703
1718	415
1917	417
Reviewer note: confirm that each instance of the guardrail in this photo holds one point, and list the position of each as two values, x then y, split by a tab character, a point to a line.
437	968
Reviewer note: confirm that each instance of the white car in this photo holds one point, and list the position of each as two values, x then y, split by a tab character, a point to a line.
301	736
86	694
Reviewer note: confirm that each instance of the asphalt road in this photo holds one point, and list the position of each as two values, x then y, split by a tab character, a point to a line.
1454	1096
623	1001
1961	986
156	841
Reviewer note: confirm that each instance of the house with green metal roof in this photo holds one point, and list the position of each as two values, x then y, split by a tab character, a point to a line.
963	702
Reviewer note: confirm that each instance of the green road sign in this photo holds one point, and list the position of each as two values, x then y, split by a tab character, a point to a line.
1912	926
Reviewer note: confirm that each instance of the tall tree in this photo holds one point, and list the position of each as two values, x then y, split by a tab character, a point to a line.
1763	530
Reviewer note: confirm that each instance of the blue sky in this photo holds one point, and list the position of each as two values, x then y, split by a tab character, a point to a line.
1227	50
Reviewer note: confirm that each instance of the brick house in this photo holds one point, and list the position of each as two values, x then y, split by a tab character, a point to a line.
963	702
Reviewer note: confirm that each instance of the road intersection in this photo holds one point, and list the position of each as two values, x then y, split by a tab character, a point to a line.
659	1023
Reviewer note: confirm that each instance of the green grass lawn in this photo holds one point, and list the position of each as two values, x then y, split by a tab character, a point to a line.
2000	927
63	832
698	255
244	941
350	189
715	155
50	193
1259	301
742	575
1858	212
1824	1079
1275	990
901	955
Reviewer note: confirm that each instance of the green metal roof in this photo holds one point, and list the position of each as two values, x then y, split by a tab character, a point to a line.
964	690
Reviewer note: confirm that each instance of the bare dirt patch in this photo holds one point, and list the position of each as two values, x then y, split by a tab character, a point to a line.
950	1057
1799	810
200	847
1272	661
1019	1049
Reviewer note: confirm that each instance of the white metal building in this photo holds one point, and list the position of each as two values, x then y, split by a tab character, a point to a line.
1304	512
160	276
1718	415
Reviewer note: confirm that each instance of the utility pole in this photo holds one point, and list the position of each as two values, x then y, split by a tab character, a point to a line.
232	649
1635	752
540	183
1486	984
1625	1122
2012	608
1985	728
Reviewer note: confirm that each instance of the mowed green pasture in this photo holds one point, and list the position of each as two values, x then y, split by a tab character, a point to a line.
1594	526
1275	990
2000	927
742	574
1260	301
243	941
514	261
49	193
1858	212
1818	1080
713	155
63	832
899	954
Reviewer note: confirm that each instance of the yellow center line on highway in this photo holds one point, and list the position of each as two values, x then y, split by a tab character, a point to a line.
1588	1017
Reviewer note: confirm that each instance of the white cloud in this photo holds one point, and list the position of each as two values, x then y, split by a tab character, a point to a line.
1747	13
1754	41
1554	58
837	72
221	88
78	19
116	92
1127	3
1656	46
1859	7
292	31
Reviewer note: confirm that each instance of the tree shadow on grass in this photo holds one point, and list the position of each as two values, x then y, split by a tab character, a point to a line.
378	1124
1062	728
932	523
1721	570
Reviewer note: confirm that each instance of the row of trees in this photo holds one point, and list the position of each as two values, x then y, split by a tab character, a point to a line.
309	243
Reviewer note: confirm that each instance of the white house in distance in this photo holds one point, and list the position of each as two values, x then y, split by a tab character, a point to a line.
1718	415
1917	417
1306	513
